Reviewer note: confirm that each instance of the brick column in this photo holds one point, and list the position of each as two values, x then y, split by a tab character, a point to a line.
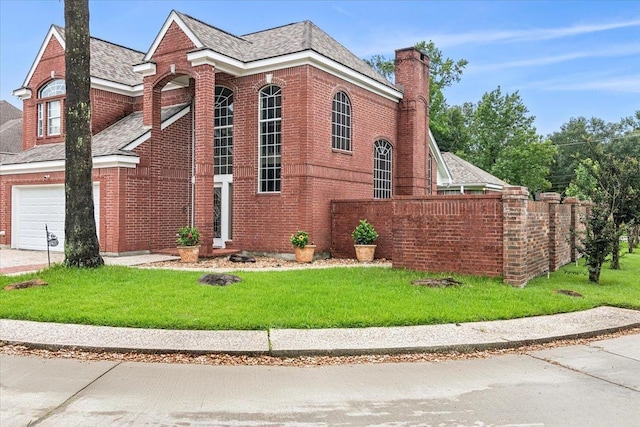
204	126
575	224
514	235
553	201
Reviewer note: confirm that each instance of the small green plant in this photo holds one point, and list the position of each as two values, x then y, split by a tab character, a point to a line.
364	233
300	239
188	236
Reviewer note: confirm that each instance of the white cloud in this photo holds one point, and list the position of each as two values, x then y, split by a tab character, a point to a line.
582	82
608	52
388	41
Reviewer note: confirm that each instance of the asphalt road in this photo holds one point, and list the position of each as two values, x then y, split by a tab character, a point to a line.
583	385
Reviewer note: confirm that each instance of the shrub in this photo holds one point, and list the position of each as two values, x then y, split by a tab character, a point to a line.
188	236
300	239
364	233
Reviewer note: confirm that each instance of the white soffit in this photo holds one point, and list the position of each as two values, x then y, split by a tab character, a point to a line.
53	32
113	161
173	17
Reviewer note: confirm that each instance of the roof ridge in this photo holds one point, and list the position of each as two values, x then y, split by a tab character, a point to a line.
274	28
211	26
61	28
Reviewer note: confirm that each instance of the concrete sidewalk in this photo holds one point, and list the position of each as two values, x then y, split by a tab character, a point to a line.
17	261
293	342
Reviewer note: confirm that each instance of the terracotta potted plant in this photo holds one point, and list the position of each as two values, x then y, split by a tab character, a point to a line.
188	239
363	237
304	250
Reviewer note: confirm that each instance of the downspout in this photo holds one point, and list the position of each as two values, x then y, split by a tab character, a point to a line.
193	161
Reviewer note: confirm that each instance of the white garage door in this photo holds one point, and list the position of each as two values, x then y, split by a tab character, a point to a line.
33	207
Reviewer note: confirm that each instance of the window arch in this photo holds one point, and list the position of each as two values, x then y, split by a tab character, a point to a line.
341	122
51	124
53	88
382	162
269	158
223	131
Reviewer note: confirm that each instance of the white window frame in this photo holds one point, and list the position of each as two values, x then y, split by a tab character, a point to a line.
341	122
223	131
382	169
270	141
53	118
40	130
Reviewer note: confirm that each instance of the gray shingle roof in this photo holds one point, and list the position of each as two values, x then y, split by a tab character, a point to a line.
110	141
112	62
10	128
284	40
464	172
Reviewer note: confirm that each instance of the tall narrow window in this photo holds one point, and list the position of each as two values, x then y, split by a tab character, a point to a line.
341	122
430	174
270	139
382	162
40	120
223	132
53	118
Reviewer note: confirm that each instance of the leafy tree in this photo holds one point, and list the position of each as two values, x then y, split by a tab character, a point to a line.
613	183
598	238
504	141
81	242
444	72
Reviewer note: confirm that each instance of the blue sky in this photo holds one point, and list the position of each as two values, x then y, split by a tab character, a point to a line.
566	58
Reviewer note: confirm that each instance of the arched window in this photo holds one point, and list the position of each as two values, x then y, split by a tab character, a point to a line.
382	162
341	122
223	131
51	124
270	139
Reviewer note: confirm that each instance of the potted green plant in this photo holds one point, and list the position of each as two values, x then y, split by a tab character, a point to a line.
363	237
188	239
304	251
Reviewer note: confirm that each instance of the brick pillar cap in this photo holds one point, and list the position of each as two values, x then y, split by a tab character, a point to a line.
515	192
571	201
550	197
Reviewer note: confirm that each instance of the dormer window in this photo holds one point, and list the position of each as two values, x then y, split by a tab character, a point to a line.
49	110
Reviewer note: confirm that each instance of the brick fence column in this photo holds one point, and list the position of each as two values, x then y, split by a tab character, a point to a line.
204	127
575	224
553	201
514	235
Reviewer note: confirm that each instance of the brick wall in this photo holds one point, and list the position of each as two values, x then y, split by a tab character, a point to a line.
494	234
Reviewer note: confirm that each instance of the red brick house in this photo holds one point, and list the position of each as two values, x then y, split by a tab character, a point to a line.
248	137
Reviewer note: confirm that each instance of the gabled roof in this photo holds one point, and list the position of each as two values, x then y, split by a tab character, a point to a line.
10	129
114	140
280	44
109	61
465	173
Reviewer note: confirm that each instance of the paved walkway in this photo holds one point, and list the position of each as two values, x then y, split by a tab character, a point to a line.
14	261
292	342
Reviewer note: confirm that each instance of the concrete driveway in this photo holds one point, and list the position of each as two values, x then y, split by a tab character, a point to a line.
16	261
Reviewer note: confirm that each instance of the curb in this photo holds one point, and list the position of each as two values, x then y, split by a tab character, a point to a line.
465	337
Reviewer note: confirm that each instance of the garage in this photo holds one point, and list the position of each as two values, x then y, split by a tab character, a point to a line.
33	207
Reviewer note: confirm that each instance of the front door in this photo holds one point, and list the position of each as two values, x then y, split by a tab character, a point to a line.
222	210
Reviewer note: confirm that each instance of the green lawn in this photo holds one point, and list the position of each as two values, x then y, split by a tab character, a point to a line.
338	297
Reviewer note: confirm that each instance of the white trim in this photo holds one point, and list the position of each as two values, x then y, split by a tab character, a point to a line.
308	57
101	162
146	68
22	93
173	17
53	32
204	57
168	122
115	87
443	170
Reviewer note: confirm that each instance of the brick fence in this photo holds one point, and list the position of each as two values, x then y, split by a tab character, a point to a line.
502	234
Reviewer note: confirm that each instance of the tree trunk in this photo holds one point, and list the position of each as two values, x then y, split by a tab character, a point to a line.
81	247
594	274
615	248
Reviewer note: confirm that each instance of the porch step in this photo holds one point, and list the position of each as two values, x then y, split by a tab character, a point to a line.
217	252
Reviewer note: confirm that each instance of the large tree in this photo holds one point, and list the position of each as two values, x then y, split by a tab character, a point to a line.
81	247
504	141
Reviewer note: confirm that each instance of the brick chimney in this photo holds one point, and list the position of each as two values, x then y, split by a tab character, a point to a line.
412	73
